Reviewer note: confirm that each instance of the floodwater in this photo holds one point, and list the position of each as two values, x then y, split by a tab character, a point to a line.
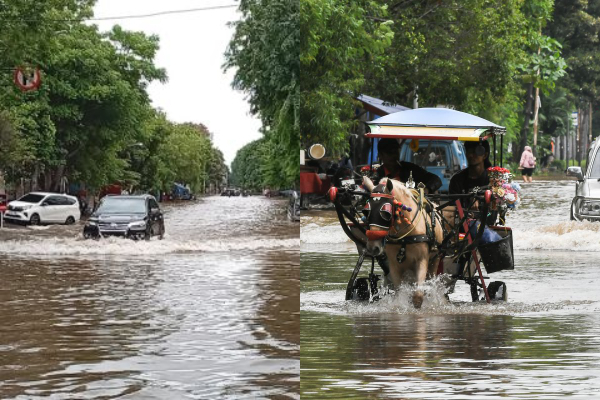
544	343
211	311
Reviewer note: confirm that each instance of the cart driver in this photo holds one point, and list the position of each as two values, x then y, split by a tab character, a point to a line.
475	175
389	153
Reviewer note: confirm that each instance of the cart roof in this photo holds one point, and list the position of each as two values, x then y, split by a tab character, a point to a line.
432	123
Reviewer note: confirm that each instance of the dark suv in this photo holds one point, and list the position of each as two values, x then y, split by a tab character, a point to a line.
136	217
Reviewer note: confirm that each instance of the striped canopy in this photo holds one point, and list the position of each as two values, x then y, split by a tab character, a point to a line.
432	123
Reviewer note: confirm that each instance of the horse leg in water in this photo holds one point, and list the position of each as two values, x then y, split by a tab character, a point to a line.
413	269
421	275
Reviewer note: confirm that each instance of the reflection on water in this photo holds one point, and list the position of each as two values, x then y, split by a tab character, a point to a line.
196	315
450	356
544	343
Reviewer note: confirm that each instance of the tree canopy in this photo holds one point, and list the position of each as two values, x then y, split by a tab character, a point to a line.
480	56
91	119
264	52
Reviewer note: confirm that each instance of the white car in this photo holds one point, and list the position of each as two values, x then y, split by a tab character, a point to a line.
41	208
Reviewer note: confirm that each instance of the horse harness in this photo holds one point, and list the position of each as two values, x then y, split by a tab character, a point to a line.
404	240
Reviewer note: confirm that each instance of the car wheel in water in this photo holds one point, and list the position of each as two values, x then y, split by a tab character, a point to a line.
70	221
148	233
34	220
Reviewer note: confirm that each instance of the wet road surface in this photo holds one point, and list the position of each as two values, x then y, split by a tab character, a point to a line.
544	343
209	312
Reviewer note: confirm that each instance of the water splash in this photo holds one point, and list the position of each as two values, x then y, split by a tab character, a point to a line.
114	245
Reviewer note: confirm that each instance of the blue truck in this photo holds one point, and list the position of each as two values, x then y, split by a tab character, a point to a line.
441	157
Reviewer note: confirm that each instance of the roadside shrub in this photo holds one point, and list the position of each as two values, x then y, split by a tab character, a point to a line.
560	165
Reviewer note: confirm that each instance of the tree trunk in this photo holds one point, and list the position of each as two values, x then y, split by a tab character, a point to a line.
35	177
527	114
55	176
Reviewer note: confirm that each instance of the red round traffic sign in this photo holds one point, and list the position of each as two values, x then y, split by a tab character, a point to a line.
27	80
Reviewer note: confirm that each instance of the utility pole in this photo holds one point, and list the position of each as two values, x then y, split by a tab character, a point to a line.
537	107
535	118
578	144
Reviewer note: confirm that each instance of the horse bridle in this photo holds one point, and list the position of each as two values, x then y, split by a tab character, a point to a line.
390	206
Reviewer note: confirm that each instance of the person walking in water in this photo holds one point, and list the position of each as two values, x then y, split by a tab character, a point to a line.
527	164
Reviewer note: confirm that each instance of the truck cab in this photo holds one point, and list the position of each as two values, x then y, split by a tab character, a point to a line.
586	203
441	157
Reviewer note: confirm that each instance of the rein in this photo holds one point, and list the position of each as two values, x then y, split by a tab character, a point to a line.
405	239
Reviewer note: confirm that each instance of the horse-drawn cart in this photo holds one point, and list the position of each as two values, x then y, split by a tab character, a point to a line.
402	228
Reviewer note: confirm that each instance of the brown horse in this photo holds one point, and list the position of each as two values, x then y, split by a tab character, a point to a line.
394	213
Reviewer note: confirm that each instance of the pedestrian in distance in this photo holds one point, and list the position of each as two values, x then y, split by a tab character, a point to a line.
527	164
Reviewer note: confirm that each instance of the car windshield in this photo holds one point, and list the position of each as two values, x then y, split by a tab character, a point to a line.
595	171
31	198
115	205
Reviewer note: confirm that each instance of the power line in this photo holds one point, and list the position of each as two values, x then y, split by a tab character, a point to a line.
159	13
134	16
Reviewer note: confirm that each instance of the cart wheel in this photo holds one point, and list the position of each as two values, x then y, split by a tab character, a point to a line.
474	292
360	290
497	291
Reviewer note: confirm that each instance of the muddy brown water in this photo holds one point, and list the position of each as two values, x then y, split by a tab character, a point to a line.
211	311
544	343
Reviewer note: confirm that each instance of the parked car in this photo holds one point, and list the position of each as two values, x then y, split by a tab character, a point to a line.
43	208
293	210
586	203
136	217
230	192
180	192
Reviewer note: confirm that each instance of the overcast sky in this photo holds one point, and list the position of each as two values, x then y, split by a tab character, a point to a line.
191	50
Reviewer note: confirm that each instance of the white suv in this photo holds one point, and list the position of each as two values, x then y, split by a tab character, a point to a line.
41	208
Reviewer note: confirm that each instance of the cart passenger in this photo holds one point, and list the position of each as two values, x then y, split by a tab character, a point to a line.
389	153
475	175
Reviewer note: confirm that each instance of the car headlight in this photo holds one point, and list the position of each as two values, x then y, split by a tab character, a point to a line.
589	207
92	223
137	224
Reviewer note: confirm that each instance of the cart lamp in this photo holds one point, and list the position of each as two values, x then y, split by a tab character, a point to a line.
488	196
332	194
316	151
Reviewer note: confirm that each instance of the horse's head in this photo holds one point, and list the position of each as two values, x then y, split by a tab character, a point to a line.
382	210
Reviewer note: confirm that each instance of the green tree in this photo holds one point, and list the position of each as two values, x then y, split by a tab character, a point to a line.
264	52
93	99
576	25
340	43
457	53
184	156
248	167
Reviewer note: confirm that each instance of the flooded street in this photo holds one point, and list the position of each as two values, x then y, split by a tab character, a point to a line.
544	343
209	312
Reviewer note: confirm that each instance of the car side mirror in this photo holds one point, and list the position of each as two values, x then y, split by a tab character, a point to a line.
576	172
44	204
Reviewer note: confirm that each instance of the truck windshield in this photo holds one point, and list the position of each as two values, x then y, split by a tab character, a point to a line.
595	167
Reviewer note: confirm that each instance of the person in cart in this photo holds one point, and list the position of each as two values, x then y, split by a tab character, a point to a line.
392	167
475	175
